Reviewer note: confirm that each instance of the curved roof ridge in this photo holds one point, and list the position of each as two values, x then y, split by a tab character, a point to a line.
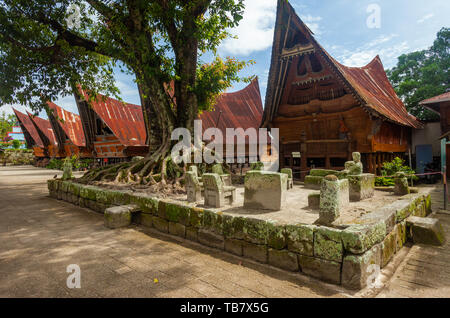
71	124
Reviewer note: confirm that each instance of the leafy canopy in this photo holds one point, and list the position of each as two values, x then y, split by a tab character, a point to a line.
423	74
43	56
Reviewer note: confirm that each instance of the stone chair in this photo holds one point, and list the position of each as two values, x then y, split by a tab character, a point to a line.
290	180
217	194
193	186
226	178
194	169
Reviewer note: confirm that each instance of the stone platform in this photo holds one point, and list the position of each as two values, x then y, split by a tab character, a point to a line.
368	232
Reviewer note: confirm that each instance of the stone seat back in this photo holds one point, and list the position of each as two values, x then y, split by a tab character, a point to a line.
217	194
193	186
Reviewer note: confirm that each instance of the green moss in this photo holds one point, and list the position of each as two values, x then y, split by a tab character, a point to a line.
212	221
359	238
276	236
328	244
177	213
255	231
196	217
146	204
300	238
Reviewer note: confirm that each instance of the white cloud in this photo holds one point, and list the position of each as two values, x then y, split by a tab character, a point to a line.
424	18
388	52
312	23
255	31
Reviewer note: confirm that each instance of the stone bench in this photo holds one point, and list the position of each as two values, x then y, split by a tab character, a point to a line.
194	187
119	216
217	194
265	190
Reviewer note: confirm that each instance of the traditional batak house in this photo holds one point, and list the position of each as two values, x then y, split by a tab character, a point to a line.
68	132
241	109
326	110
31	135
47	135
115	131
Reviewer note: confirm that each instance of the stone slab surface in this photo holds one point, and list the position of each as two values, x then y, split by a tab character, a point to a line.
41	236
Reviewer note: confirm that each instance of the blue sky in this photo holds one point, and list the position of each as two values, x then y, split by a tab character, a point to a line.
339	25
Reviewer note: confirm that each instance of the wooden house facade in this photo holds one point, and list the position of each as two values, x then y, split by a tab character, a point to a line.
114	130
325	110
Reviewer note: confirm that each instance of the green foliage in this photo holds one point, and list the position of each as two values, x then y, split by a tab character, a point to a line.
423	74
6	124
390	168
16	144
41	57
77	163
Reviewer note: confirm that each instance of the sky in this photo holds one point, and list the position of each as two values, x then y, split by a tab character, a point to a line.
352	31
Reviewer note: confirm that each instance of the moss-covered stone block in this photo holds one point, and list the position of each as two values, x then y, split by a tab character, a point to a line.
178	213
324	173
89	192
300	238
234	246
146	219
146	204
426	230
255	231
334	196
389	247
75	188
192	233
196	217
328	244
314	201
403	209
212	221
177	229
313	182
160	224
265	190
65	186
359	238
276	237
401	235
256	252
211	239
358	270
322	269
428	209
361	186
283	259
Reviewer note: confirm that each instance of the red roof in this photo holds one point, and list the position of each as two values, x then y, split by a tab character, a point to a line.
70	123
369	84
437	99
45	127
125	120
27	125
372	84
241	109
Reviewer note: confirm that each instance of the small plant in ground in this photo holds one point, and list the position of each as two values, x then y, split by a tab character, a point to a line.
392	167
16	144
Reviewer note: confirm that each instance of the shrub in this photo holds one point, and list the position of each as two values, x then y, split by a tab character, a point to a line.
16	144
390	168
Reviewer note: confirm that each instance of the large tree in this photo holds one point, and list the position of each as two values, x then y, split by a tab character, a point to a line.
423	74
43	55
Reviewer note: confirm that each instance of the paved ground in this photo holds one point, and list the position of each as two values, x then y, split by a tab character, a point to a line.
41	236
425	271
